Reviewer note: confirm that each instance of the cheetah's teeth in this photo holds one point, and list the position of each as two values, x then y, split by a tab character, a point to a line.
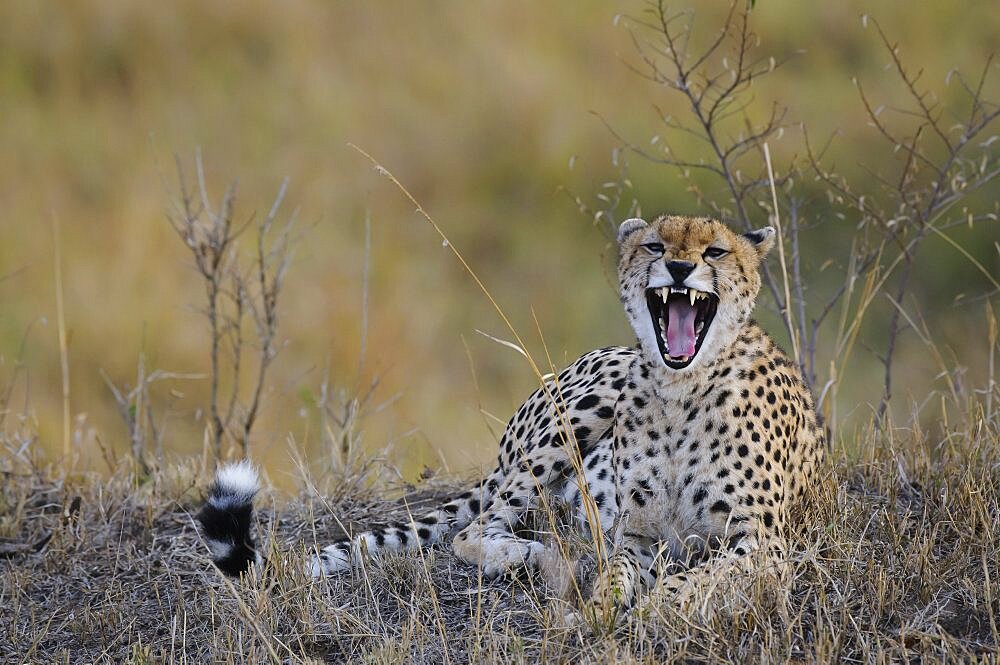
692	294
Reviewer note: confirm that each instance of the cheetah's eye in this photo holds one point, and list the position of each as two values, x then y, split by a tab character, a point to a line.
654	248
715	253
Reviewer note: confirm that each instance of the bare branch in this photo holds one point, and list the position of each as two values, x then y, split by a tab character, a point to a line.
211	236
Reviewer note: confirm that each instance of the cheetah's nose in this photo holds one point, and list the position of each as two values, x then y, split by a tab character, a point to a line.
679	270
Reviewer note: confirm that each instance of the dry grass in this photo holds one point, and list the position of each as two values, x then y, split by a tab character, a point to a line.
897	560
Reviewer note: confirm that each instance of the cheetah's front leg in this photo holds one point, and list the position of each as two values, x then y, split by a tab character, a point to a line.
628	569
744	561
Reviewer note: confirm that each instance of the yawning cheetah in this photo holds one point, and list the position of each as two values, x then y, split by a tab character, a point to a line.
700	438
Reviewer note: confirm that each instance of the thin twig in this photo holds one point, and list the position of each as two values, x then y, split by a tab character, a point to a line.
63	345
786	310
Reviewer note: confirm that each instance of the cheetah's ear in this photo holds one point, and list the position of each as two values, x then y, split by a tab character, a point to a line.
761	239
628	227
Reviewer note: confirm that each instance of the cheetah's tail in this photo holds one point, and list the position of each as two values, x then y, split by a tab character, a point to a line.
420	532
226	516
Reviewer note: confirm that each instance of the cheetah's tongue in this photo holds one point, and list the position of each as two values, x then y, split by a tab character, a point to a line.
680	327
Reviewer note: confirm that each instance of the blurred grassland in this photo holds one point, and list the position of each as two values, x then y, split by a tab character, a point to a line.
477	108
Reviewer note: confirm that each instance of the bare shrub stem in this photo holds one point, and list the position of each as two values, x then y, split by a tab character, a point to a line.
232	295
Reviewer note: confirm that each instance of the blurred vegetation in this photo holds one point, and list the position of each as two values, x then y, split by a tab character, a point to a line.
480	109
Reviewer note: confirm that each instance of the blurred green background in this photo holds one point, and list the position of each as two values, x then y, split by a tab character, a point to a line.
478	108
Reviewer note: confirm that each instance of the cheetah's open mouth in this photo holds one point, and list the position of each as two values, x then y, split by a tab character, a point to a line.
681	318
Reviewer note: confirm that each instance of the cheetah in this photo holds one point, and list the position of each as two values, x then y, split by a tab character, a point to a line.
692	446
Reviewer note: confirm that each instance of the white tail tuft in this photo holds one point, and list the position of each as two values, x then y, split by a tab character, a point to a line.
235	484
238	478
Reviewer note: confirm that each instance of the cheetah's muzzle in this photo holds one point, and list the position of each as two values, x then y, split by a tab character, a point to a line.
681	318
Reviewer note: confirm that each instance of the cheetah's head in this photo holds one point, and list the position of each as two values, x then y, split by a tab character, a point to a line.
688	285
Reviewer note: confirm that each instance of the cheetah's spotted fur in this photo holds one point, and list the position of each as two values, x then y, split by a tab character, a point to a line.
695	453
